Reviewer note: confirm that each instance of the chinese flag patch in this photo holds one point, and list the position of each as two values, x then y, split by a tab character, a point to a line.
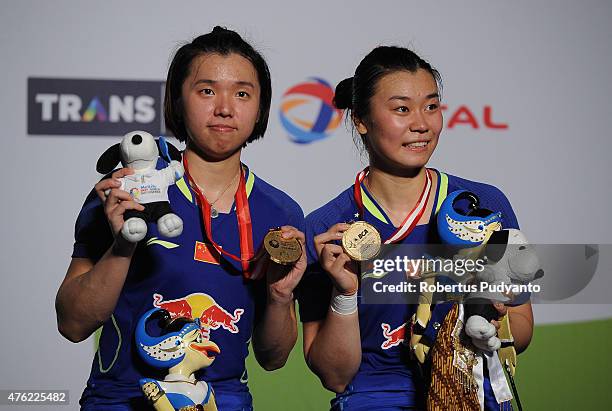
206	254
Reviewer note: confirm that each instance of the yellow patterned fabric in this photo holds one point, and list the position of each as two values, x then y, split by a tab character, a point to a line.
451	387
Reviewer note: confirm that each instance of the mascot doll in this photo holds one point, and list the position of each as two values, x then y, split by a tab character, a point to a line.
462	341
464	225
183	351
147	186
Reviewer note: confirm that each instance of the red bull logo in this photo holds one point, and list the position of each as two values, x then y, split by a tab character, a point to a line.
215	316
212	316
392	337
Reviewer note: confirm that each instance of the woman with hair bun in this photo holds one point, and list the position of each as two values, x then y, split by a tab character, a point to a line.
217	101
360	351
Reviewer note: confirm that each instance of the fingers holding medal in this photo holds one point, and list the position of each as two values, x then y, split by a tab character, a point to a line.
361	241
341	247
283	246
286	261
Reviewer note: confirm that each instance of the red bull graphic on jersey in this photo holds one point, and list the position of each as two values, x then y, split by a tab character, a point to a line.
394	337
199	305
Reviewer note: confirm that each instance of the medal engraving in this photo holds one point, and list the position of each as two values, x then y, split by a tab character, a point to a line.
282	251
361	241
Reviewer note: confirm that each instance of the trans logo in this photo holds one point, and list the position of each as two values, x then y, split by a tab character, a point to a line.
307	112
62	106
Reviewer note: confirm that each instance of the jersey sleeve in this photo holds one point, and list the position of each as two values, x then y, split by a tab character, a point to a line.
92	235
314	291
295	216
494	199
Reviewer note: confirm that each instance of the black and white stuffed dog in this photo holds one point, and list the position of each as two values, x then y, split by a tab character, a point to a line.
511	260
148	186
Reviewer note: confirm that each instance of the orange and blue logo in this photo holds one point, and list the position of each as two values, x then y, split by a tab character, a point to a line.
307	112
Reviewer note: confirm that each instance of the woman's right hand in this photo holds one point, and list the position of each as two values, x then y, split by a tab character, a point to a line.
89	293
335	261
115	200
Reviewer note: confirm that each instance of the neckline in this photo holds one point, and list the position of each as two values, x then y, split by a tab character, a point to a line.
188	193
377	211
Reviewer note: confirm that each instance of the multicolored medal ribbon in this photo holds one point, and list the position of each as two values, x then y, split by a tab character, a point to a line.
362	241
413	216
243	215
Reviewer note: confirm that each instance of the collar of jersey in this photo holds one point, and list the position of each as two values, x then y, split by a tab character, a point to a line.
189	194
370	204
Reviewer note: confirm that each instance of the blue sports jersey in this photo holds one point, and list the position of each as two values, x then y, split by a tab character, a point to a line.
186	276
386	367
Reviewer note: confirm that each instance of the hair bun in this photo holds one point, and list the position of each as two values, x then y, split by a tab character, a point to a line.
343	97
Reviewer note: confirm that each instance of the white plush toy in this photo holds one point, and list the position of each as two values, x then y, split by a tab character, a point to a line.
510	260
148	186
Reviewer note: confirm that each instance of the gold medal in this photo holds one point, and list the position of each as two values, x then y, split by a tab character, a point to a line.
361	241
282	251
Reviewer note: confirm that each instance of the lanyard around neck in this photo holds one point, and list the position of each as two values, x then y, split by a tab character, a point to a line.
413	216
243	215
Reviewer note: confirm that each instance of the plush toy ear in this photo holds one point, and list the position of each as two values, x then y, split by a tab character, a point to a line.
499	237
109	160
167	151
499	243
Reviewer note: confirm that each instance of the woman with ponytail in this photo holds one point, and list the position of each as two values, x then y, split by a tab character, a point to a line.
360	351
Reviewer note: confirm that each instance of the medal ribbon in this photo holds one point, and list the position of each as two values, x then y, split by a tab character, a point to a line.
243	215
413	216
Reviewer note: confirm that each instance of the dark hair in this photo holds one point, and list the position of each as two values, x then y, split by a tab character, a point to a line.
222	41
355	93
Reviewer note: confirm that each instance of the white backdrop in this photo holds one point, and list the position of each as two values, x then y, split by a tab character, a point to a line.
543	68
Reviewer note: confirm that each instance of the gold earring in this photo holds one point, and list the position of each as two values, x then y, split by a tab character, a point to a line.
361	128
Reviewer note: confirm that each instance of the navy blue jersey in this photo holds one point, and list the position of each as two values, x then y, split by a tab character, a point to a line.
186	276
386	363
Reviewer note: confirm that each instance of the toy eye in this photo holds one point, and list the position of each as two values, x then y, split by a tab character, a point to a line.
136	139
480	227
522	247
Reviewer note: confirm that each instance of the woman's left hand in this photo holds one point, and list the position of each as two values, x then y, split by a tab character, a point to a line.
502	310
280	282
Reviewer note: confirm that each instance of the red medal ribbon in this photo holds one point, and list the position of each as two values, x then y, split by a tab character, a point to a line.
243	215
413	216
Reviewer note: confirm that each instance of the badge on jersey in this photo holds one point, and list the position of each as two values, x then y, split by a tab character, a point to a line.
206	254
